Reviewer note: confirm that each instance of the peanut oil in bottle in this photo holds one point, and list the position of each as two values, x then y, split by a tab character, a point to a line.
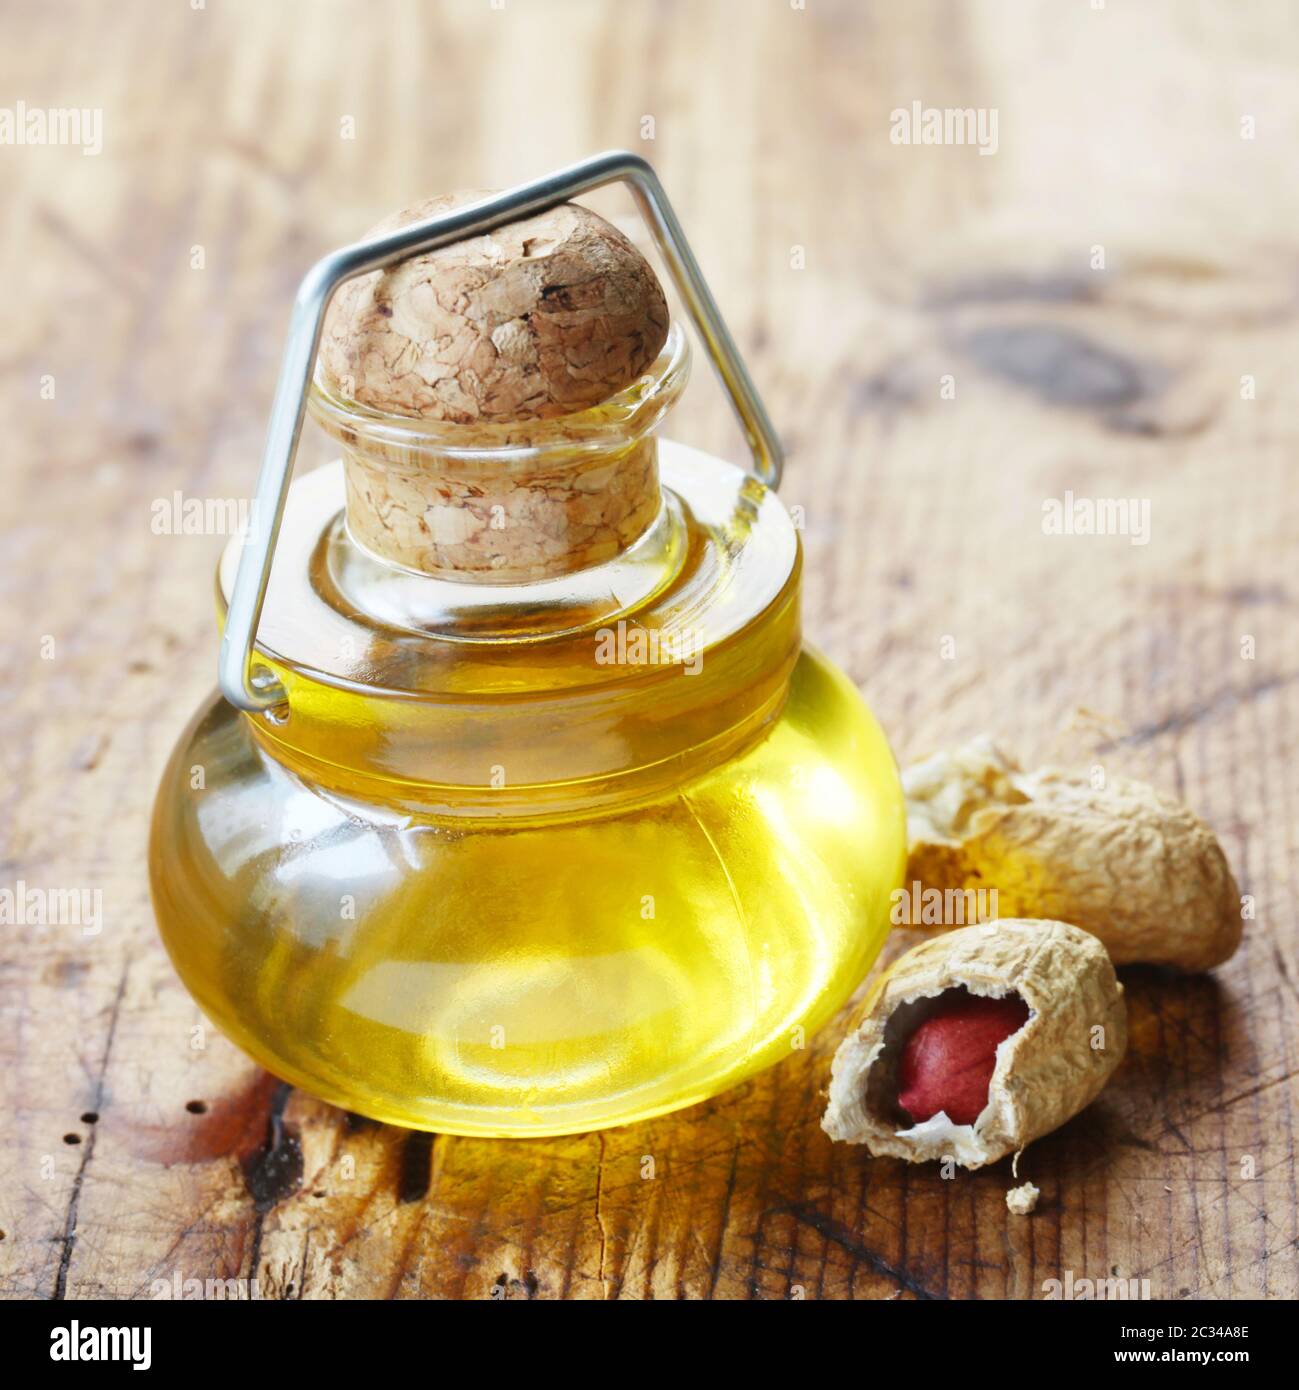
537	856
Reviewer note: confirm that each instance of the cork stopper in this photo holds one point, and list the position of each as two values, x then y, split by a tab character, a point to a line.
508	520
539	318
478	391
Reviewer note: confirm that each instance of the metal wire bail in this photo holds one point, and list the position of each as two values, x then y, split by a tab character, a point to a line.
258	690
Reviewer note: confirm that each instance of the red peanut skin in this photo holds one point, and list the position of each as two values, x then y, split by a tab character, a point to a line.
948	1061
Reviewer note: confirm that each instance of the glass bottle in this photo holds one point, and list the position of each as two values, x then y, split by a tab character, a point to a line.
546	836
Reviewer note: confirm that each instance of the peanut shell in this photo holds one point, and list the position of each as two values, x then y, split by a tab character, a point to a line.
1053	1067
1123	861
1022	1200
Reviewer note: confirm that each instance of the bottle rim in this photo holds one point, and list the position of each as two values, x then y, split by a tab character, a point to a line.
624	417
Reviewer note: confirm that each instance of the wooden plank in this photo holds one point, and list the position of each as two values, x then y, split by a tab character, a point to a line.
1119	128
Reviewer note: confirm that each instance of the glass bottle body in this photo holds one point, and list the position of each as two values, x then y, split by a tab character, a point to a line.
528	978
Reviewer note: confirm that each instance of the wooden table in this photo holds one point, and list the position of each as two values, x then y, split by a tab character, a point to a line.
1107	305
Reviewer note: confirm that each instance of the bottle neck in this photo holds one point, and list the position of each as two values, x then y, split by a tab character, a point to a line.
514	503
500	520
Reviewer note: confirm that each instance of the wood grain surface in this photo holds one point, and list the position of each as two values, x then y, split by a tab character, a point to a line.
944	354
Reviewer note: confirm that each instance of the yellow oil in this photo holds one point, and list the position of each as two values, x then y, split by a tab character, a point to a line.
530	977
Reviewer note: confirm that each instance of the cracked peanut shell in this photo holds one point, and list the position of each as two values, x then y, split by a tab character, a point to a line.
1046	1072
1123	861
